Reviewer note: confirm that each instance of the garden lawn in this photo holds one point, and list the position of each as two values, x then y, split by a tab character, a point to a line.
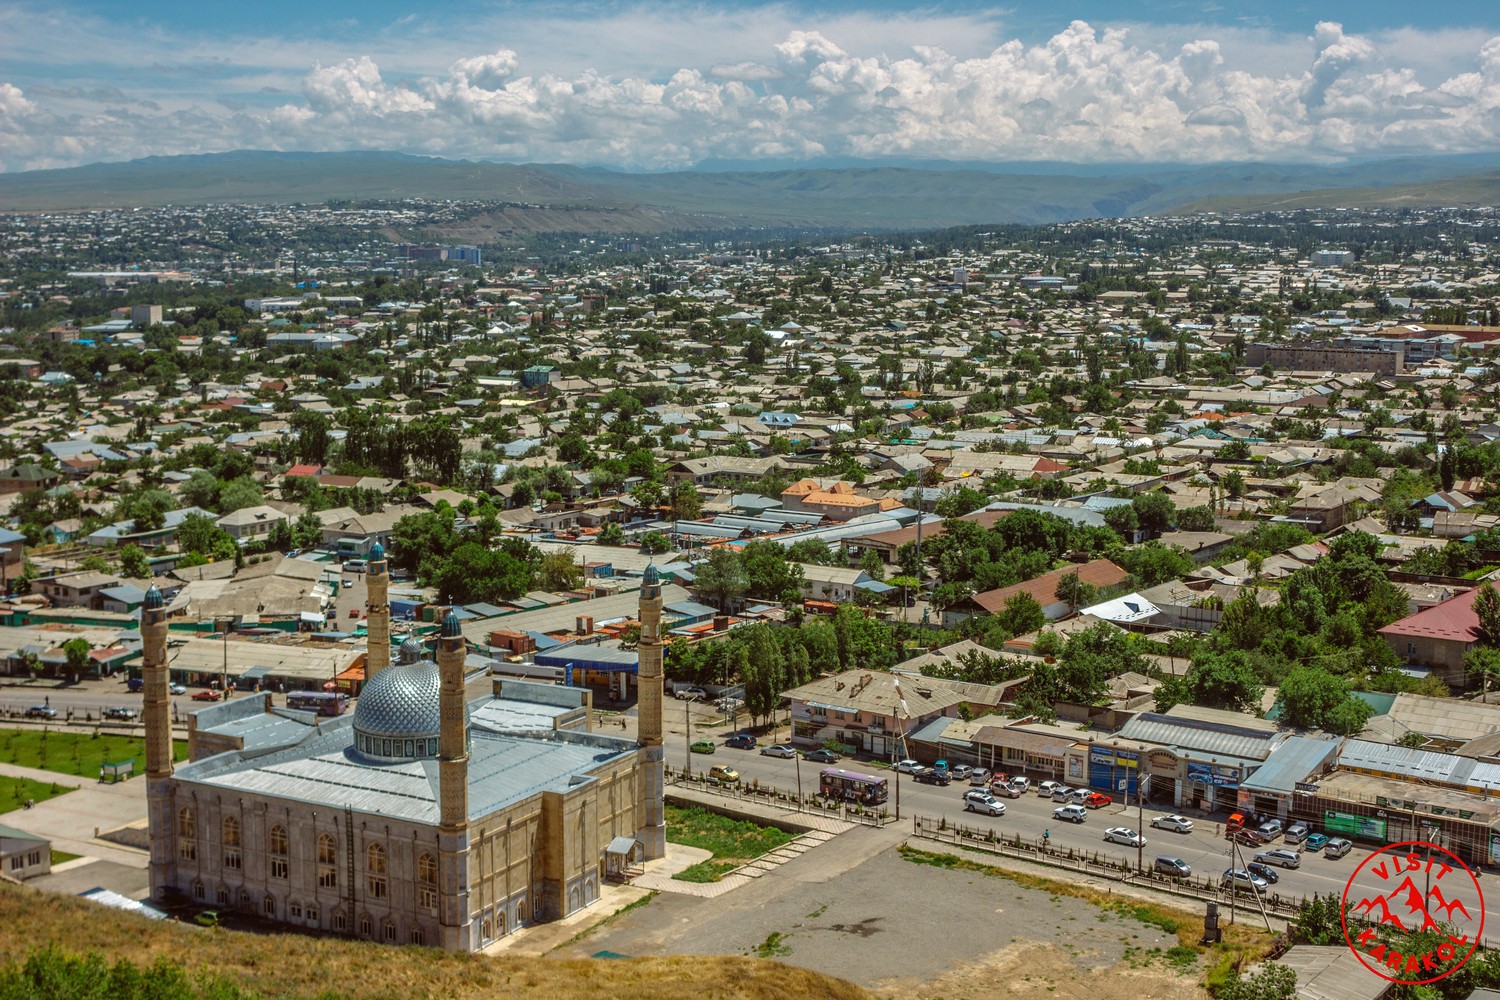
80	754
733	842
14	792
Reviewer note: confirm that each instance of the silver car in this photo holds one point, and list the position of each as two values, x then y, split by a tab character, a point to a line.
1242	881
1124	835
778	750
1280	858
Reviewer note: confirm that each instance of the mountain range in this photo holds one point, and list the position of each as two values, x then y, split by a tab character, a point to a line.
837	196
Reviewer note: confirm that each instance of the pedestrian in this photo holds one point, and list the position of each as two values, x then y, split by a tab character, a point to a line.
1216	831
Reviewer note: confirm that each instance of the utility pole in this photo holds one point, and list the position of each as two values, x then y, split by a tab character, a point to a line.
1140	820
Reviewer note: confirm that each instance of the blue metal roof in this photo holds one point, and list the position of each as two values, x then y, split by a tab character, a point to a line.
1290	763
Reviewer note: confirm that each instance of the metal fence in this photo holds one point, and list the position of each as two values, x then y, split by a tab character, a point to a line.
756	791
1100	864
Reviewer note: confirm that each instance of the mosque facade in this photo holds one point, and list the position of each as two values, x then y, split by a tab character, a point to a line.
423	817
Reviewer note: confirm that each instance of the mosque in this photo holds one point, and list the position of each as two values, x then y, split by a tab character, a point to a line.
423	817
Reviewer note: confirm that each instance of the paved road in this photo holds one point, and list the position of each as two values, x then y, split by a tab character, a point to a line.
1030	816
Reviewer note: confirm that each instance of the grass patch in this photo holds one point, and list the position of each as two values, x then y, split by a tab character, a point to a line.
1242	943
58	857
1182	959
14	792
733	842
774	946
79	754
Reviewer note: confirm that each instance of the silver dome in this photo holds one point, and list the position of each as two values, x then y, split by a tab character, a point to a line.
410	651
400	701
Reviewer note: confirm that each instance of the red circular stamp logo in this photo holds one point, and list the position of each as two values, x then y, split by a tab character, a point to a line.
1413	913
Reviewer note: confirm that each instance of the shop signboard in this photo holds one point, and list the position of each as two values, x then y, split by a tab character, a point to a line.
1364	827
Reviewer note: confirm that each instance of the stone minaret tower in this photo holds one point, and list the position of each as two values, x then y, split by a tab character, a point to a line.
377	614
158	723
453	789
649	694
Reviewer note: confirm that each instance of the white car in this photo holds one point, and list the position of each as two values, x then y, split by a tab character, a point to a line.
1124	835
1178	824
1046	788
982	802
1075	814
908	766
690	694
778	750
176	688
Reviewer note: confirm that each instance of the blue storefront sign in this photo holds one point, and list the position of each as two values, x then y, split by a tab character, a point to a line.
1114	771
1216	775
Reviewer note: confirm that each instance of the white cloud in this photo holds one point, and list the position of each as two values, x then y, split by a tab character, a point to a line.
857	85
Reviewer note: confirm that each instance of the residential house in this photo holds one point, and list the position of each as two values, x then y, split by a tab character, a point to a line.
863	709
250	524
28	476
24	855
1097	573
1437	638
77	590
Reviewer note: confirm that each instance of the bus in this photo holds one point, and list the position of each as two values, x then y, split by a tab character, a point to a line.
322	702
851	786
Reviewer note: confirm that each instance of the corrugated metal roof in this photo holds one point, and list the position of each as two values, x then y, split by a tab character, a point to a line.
1194	735
1292	761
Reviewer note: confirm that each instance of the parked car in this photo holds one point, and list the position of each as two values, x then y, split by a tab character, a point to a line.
1020	783
908	766
208	918
1270	829
1046	788
742	741
702	746
1337	848
982	802
135	684
723	772
778	750
821	756
1296	833
1061	793
1280	858
1096	800
1003	790
961	772
1233	824
120	713
353	612
1124	835
1072	813
1177	824
207	694
41	712
348	583
979	777
1249	837
1242	881
1265	873
1315	842
176	688
689	693
1175	867
932	776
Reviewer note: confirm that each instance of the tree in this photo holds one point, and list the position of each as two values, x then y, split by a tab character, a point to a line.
1225	680
201	490
133	562
1483	662
239	494
960	502
1312	698
720	580
813	551
1155	512
610	533
769	575
557	571
655	543
1022	614
473	573
686	504
77	651
146	508
1122	520
1153	563
416	538
1195	519
1272	982
1074	592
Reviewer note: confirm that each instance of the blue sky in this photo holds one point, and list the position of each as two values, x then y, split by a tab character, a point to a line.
665	85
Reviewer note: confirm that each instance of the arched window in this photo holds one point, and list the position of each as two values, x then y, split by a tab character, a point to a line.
427	874
279	847
417	937
328	859
366	925
376	867
231	842
388	931
187	834
269	906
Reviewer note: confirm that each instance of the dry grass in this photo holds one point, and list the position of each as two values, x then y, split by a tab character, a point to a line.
290	965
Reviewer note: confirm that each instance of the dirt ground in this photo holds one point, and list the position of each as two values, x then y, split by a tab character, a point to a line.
910	930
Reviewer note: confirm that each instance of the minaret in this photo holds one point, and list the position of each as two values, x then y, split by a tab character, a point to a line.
158	723
453	789
649	694
377	614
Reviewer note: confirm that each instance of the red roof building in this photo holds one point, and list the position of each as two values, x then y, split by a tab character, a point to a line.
1438	637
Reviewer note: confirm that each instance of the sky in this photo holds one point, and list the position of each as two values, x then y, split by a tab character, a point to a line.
668	85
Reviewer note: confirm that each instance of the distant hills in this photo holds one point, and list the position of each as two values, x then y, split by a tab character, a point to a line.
846	196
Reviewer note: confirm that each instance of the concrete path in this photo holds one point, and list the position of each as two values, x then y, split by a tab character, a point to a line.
74	820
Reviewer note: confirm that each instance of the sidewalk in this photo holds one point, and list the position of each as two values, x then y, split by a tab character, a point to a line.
73	820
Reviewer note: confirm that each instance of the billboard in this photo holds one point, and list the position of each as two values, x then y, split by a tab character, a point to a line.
1216	775
1364	827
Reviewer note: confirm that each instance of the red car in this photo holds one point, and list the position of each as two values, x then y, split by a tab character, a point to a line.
353	612
1097	800
206	695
